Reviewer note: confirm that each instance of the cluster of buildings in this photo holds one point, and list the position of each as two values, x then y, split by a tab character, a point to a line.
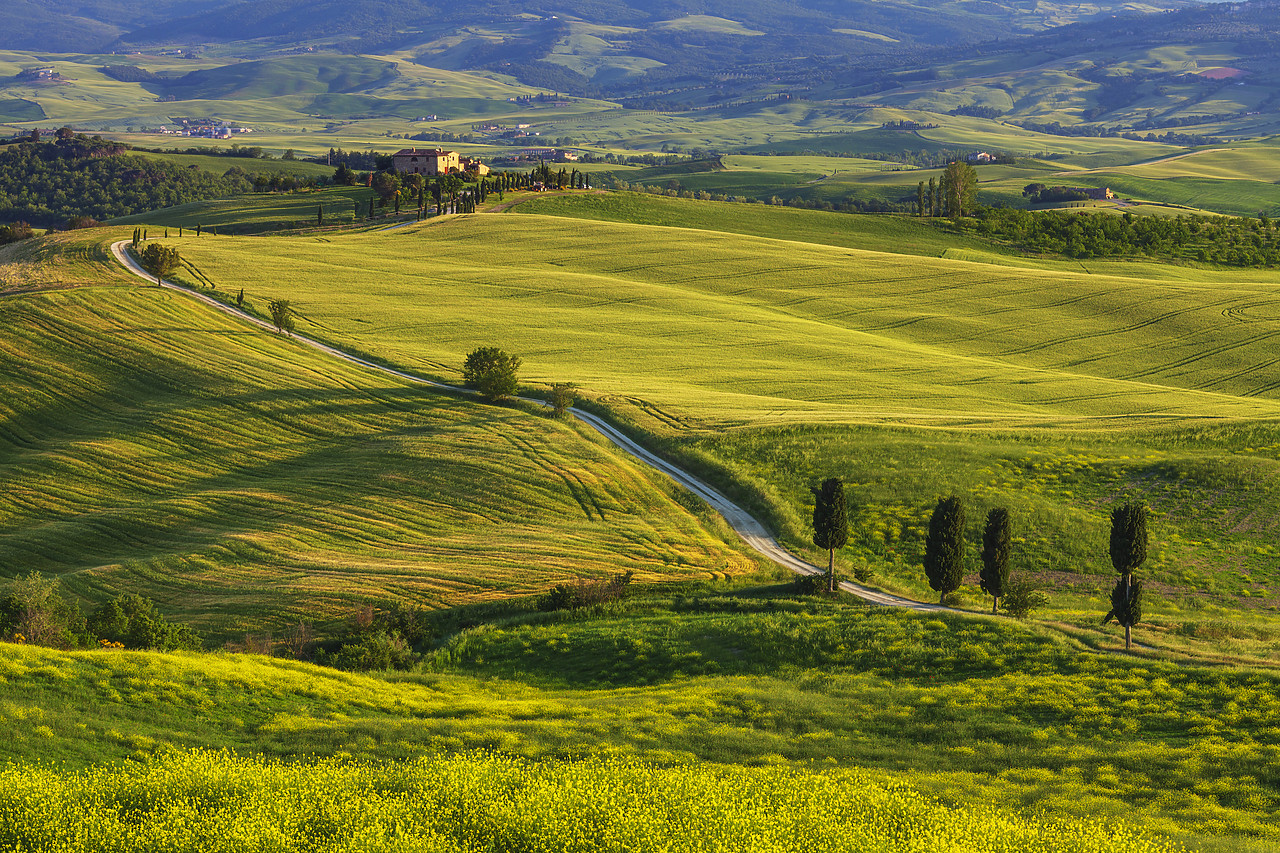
435	161
203	129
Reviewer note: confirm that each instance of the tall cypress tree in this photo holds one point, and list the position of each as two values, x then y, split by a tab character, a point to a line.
944	547
995	555
830	523
1128	548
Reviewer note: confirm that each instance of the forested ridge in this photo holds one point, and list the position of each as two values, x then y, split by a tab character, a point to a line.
47	183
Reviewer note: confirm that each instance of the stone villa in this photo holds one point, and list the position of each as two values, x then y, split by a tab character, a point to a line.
436	161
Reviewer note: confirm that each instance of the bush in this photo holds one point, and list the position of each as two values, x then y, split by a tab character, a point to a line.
134	622
15	231
584	593
33	610
375	651
813	584
562	398
1021	597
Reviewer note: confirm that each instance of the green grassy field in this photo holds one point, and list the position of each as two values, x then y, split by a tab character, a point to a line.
898	339
257	212
727	676
1050	389
154	446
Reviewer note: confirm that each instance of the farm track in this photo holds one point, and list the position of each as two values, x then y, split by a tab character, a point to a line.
752	532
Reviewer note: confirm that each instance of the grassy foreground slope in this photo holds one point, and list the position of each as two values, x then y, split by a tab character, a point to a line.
970	710
152	445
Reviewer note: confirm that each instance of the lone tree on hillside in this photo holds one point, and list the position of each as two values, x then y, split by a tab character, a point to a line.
1128	551
830	523
491	372
995	555
944	547
282	315
159	260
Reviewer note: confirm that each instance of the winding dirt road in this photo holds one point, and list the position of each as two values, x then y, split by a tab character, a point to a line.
745	525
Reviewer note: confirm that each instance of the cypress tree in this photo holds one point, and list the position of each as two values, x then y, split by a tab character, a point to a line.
995	555
920	199
830	523
319	215
944	547
1128	548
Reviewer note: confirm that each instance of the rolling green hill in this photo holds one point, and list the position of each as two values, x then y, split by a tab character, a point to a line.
268	78
155	446
1052	387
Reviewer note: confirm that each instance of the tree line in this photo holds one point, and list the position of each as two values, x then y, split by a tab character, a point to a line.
1224	240
945	545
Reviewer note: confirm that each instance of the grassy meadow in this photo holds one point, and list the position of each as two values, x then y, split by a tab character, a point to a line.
1050	387
154	446
489	802
710	678
258	212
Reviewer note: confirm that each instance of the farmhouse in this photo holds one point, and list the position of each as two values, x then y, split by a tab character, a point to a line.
1096	193
413	161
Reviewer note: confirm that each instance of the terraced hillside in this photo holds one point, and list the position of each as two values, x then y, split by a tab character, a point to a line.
154	446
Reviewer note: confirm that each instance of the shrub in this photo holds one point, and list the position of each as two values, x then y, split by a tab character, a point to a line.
377	650
562	398
135	622
1021	596
15	231
584	593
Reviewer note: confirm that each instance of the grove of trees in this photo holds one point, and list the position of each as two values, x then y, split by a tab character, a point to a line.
48	183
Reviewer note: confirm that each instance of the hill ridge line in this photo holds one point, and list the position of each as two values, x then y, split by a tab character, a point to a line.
748	528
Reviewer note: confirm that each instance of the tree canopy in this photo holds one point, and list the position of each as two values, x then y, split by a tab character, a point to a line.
491	372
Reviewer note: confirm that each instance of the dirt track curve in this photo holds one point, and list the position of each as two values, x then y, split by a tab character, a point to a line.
746	526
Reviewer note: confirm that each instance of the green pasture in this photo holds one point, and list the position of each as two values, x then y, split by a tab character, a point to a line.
967	710
899	235
257	212
153	445
252	165
1212	555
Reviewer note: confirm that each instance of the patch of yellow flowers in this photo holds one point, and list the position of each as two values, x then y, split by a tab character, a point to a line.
212	802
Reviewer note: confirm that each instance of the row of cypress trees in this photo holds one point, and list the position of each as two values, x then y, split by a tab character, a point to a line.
945	545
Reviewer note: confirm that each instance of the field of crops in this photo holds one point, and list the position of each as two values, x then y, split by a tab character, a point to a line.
155	446
849	336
